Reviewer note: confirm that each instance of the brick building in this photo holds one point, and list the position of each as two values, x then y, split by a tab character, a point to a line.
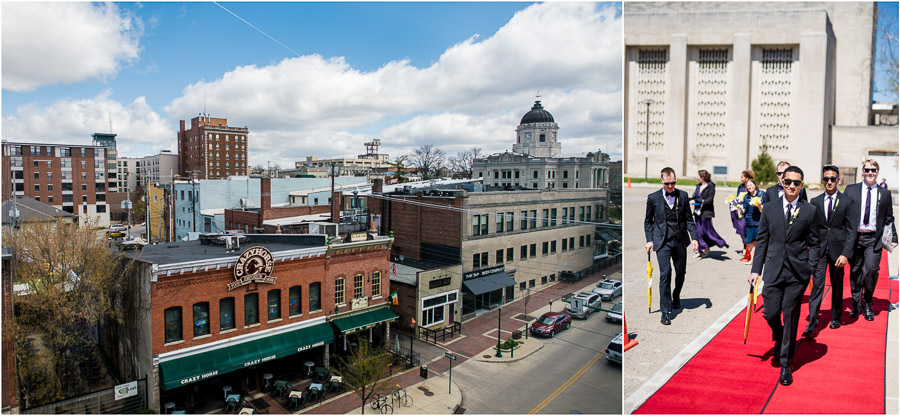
70	177
210	149
201	324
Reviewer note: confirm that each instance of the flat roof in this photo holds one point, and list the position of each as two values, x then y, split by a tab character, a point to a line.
188	251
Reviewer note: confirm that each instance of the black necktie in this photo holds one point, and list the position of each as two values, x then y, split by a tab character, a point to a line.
829	208
868	202
787	215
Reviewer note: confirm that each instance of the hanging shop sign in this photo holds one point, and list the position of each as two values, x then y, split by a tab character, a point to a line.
255	265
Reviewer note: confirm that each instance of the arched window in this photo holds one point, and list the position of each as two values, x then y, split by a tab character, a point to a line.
274	304
376	283
226	314
339	291
358	287
201	319
295	301
251	309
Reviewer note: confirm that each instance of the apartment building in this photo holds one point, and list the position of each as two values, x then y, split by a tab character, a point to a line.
211	149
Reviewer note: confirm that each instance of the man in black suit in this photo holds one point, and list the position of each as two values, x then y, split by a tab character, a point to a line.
838	230
874	211
777	191
669	228
788	245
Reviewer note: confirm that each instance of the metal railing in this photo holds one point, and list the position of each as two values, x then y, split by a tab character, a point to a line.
99	402
433	334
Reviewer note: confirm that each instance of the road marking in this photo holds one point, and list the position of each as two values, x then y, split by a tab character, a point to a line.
540	406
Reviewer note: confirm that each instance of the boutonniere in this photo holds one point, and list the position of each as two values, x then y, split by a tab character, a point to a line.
793	217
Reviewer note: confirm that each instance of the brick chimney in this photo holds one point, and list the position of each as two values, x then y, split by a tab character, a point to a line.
265	198
336	207
377	185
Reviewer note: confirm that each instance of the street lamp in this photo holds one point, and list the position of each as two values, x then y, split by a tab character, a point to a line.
499	310
647	138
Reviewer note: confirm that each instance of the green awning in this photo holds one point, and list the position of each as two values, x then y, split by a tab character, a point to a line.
228	358
364	320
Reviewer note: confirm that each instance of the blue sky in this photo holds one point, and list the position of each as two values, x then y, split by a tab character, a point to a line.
456	75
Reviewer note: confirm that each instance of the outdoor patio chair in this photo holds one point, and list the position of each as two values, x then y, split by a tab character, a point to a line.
231	405
295	402
313	394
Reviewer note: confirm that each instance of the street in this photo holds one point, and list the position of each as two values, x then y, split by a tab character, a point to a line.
568	374
715	289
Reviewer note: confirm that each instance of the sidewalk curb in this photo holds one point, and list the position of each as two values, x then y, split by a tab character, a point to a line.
341	396
504	359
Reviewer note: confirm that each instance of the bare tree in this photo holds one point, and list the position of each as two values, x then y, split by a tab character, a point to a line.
887	56
69	280
428	160
461	165
363	371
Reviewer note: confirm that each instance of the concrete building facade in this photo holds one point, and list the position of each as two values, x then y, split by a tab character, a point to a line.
159	168
210	149
707	86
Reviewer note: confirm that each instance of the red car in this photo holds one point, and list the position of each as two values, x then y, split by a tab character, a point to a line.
550	323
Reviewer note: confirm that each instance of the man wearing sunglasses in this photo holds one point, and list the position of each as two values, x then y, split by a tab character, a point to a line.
838	221
777	191
788	246
669	228
874	211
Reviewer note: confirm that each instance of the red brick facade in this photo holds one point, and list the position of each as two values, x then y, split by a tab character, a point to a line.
84	186
211	286
211	149
414	224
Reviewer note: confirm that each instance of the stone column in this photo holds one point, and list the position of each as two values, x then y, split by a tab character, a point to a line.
676	107
738	149
808	114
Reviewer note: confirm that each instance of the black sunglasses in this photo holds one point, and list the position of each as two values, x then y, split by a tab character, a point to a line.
871	170
668	183
779	173
830	178
796	182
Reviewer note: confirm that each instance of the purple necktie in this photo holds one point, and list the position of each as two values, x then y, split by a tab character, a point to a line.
829	208
868	202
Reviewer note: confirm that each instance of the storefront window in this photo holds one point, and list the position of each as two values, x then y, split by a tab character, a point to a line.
376	283
201	319
358	287
173	324
315	302
226	314
274	304
294	305
251	309
339	291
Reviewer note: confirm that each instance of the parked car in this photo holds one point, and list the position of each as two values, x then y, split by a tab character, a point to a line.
550	323
118	227
609	289
615	315
115	234
613	351
588	300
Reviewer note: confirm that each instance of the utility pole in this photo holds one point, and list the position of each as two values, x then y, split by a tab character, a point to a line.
332	193
194	199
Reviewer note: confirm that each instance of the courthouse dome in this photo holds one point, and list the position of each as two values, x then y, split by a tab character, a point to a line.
537	115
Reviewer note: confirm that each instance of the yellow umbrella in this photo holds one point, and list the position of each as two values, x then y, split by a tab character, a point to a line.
649	282
750	302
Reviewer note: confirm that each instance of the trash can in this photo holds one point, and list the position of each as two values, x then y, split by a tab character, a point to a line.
423	371
517	334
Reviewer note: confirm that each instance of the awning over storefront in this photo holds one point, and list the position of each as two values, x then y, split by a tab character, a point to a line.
488	283
197	367
364	320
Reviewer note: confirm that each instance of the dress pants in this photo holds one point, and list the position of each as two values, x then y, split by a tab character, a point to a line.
671	253
864	268
782	299
836	276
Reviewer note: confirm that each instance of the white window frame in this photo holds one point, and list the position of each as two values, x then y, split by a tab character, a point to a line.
427	314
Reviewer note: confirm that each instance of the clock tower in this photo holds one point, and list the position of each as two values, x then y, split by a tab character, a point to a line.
536	134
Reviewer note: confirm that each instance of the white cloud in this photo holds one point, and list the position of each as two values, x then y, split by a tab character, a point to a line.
65	42
474	94
73	121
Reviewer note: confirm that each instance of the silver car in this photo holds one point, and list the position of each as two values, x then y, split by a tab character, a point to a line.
613	351
615	315
609	289
582	304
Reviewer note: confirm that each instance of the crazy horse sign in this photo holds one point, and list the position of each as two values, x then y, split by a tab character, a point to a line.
255	265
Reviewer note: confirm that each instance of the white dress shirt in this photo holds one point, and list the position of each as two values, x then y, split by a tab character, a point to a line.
872	211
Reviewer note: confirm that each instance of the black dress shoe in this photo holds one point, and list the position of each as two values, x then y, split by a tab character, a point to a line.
835	324
854	311
810	333
786	377
665	319
870	314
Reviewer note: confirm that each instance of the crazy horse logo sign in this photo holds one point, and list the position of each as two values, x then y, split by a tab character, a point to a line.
255	265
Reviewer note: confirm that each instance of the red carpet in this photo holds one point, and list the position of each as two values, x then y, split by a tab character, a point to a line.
729	377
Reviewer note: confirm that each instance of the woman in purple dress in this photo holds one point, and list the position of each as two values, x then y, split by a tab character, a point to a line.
704	212
737	220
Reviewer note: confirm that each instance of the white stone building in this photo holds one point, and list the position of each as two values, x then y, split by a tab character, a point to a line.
726	80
